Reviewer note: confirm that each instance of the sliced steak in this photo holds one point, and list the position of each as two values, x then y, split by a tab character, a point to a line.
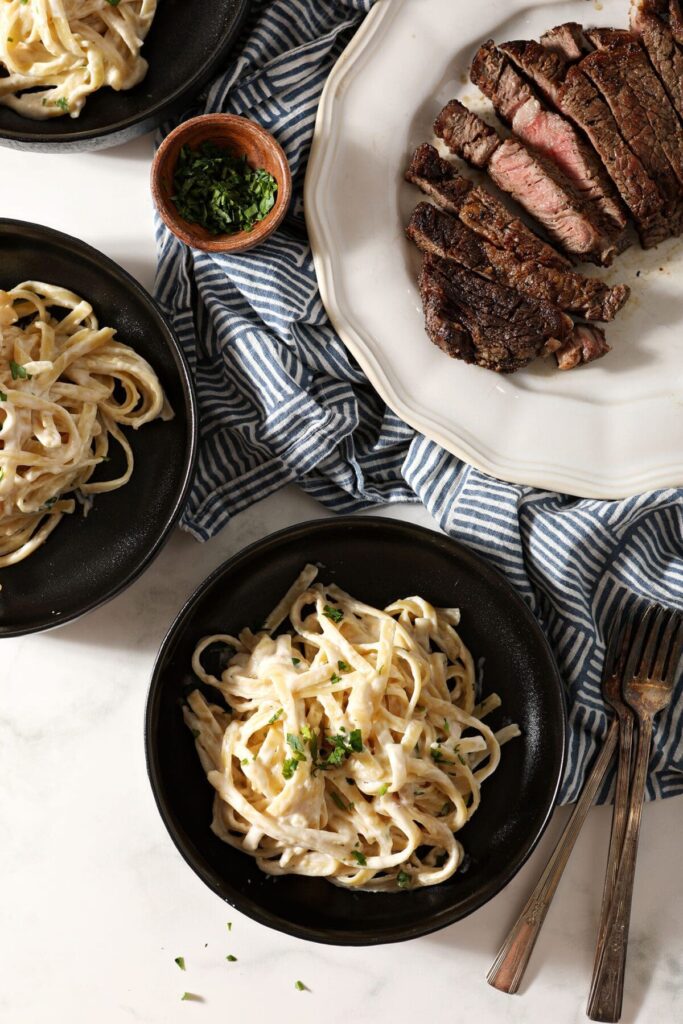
648	122
536	184
574	95
545	67
551	135
483	322
438	234
585	344
478	209
667	59
476	140
568	40
676	20
601	38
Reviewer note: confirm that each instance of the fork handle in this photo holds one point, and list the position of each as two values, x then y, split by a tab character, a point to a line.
509	966
607	988
619	819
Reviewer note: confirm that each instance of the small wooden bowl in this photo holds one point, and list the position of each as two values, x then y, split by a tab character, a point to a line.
241	137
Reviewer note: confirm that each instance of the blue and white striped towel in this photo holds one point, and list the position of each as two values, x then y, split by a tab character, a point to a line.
282	401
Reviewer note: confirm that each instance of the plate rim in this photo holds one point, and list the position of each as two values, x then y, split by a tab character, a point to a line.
545	476
138	124
239	899
77	245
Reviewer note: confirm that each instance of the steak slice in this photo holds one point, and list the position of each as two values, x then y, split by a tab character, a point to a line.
666	57
533	181
574	95
568	40
601	38
676	20
476	140
648	122
585	344
438	234
482	322
551	135
478	209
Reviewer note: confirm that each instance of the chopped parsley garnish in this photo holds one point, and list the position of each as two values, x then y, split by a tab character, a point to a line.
220	191
290	765
342	747
307	732
334	678
335	614
180	960
340	803
3	396
437	754
445	809
356	740
113	3
359	857
18	371
403	879
296	661
459	756
383	789
343	667
295	743
275	717
231	958
446	727
229	926
63	104
299	986
190	997
245	760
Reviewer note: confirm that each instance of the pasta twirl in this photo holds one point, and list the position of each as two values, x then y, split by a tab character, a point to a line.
354	748
66	389
57	52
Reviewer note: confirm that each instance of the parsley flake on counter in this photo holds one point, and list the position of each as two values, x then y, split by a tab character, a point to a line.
180	960
191	997
231	958
220	191
229	926
335	614
299	986
359	857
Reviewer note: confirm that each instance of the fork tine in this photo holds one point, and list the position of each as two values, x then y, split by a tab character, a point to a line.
619	638
652	642
676	651
665	645
636	644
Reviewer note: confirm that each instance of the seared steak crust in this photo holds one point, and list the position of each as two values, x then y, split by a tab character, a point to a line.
585	344
483	322
648	122
438	234
478	209
667	59
568	40
476	141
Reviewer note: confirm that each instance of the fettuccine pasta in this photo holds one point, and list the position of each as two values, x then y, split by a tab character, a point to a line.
57	52
66	389
354	747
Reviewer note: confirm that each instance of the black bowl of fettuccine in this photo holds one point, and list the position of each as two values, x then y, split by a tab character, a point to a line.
307	765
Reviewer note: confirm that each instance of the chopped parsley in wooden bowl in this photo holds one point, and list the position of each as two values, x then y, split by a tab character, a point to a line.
221	183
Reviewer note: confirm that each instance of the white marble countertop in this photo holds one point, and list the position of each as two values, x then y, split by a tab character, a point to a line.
97	903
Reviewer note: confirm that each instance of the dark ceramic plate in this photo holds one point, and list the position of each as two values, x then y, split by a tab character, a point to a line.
377	560
187	45
86	561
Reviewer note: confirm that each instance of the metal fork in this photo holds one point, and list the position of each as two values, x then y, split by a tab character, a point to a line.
508	968
649	676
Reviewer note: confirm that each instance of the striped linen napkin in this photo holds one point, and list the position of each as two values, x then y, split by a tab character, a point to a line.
282	401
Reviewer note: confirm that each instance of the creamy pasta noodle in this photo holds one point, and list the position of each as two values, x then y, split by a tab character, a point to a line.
354	747
57	52
66	389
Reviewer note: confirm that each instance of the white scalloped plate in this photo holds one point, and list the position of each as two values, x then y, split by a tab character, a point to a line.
607	430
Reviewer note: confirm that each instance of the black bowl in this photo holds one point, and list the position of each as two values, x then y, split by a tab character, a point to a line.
187	45
376	560
86	561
